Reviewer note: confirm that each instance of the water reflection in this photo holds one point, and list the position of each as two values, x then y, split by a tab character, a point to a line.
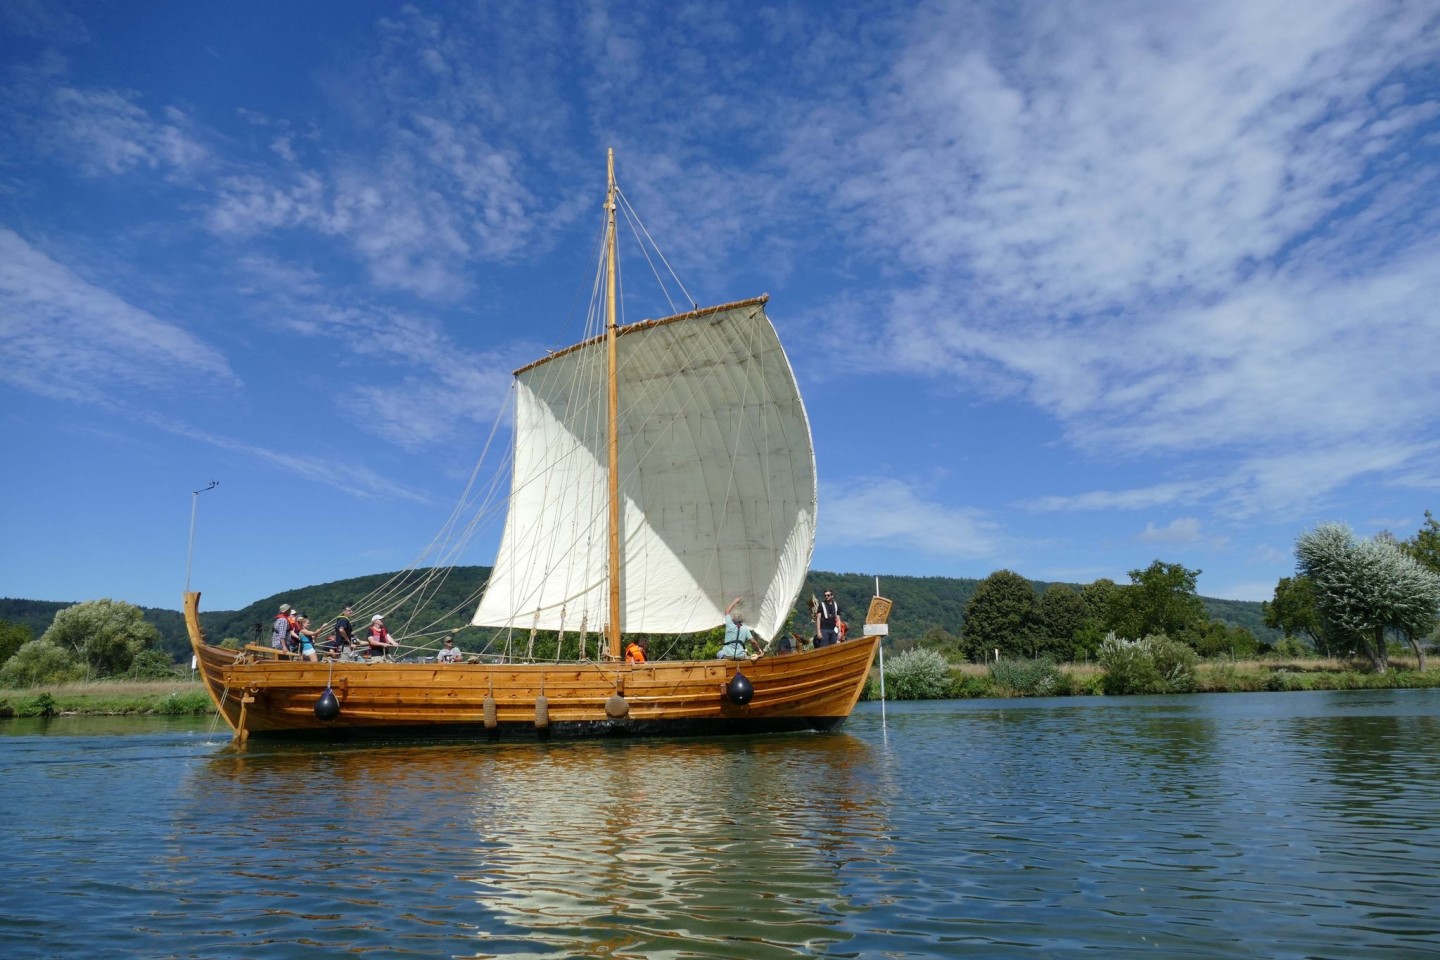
1264	825
648	849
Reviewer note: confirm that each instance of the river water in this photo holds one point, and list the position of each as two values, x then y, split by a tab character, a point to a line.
1241	825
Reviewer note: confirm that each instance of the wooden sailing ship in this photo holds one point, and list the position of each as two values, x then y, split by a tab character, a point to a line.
694	483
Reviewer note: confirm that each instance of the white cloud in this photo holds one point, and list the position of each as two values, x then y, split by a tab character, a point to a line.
1177	230
1179	530
1139	498
414	386
106	132
883	511
62	336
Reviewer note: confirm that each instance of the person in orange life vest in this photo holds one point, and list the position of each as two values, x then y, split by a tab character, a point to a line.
379	638
292	638
280	633
635	651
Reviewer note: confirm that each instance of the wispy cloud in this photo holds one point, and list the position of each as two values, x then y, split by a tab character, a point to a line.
355	479
62	336
106	132
884	511
1163	494
413	385
1179	530
1174	230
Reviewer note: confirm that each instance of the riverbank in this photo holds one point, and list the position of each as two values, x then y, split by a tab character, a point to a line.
109	698
175	698
1020	679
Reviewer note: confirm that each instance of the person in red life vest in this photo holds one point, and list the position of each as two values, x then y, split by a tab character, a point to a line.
378	640
635	651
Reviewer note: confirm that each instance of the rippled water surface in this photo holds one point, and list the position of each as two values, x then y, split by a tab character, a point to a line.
1248	825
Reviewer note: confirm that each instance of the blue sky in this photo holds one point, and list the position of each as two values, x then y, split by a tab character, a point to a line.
1068	286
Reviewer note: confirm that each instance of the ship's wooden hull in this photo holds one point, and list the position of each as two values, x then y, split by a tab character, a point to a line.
264	696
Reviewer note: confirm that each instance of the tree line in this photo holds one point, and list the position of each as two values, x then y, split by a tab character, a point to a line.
1349	597
1008	617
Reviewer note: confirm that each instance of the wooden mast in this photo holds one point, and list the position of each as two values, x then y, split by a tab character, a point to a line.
612	628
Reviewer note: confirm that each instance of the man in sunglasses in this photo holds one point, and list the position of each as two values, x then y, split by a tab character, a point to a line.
827	620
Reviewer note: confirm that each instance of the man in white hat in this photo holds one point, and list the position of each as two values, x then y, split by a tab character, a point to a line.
378	639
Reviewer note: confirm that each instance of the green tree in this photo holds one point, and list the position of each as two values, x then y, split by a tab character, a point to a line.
1424	547
40	661
1061	616
104	634
1001	615
1218	638
1099	597
1293	612
942	642
1161	599
1365	587
13	636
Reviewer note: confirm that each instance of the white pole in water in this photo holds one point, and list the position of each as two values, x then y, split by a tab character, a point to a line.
190	555
882	664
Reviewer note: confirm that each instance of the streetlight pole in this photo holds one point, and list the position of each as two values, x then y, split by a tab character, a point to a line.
194	501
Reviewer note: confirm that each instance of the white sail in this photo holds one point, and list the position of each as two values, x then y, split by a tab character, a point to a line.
717	481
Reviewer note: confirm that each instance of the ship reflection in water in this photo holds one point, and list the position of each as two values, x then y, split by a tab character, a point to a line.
653	848
1188	827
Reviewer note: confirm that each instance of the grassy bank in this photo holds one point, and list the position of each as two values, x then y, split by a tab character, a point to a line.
177	698
971	680
105	698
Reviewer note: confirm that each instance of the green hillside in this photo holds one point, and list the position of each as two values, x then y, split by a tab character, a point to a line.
921	603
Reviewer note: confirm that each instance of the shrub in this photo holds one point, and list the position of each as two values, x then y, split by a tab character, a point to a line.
185	704
42	704
37	662
1155	664
1029	678
966	686
151	665
917	675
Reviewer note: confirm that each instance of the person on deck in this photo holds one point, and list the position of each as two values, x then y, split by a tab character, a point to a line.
306	635
292	636
378	640
635	651
738	637
344	636
280	633
827	621
449	653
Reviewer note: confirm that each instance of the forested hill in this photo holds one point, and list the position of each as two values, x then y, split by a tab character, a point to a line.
921	603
